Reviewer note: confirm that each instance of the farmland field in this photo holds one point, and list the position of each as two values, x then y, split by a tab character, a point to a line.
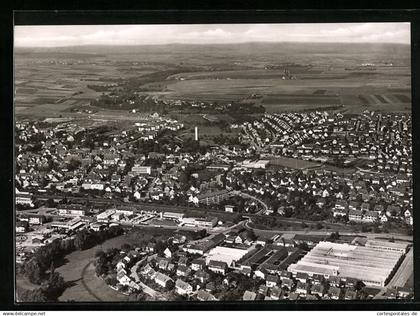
286	76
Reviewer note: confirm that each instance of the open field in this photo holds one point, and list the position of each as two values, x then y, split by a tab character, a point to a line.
73	270
80	272
51	81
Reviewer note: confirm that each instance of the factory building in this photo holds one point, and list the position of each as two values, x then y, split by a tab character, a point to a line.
227	254
373	266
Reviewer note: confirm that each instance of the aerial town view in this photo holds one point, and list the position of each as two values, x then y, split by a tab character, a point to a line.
248	162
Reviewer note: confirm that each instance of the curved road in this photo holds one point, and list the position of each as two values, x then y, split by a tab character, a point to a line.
248	196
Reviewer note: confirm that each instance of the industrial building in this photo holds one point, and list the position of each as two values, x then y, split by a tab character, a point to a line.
199	222
386	245
372	266
227	254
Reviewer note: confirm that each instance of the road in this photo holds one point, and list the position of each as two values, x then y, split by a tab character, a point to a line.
404	272
248	196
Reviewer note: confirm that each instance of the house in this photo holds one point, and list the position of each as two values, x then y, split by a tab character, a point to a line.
383	218
23	198
162	279
246	271
353	206
271	280
168	253
334	280
121	265
404	291
261	273
287	284
249	296
317	279
210	287
370	217
205	296
151	247
218	266
263	290
355	215
276	293
183	288
229	208
350	282
350	294
198	264
230	239
241	238
318	289
261	241
163	264
202	276
391	293
302	288
146	269
334	292
123	278
35	219
378	208
365	207
22	227
302	277
285	275
183	271
320	202
183	261
339	212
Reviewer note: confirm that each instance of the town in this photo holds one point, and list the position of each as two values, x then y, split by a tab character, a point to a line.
276	215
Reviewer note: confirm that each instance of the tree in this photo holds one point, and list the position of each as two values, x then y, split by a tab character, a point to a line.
33	271
74	164
50	203
35	296
112	281
54	286
170	285
303	246
334	236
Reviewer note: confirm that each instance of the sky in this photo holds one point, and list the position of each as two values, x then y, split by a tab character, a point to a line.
73	35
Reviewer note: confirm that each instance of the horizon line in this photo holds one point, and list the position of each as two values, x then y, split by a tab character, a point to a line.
204	44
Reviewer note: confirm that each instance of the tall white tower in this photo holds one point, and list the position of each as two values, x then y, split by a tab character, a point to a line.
196	134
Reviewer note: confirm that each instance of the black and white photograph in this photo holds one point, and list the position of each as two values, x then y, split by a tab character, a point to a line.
213	162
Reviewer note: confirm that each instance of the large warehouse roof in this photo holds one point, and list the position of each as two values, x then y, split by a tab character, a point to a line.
371	265
227	254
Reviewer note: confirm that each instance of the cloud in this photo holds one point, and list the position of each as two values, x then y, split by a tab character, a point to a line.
210	33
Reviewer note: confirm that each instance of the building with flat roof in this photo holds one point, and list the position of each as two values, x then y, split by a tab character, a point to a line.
213	197
141	170
227	254
173	215
256	164
372	266
387	245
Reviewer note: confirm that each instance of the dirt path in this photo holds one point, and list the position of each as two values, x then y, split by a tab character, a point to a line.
84	284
